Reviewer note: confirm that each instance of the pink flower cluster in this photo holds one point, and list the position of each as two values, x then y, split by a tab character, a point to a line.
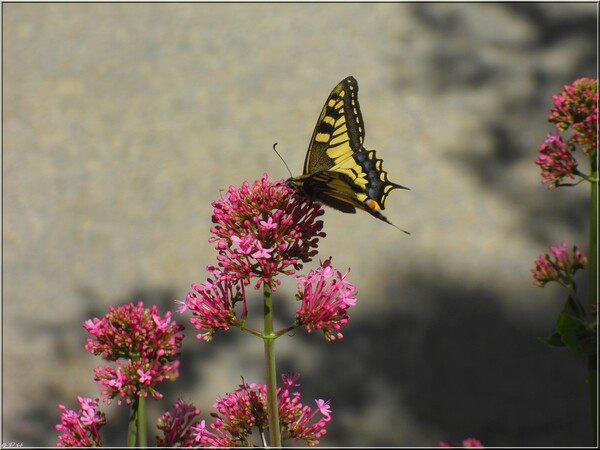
556	160
559	267
144	346
176	426
575	108
467	443
325	295
213	303
264	230
81	428
241	412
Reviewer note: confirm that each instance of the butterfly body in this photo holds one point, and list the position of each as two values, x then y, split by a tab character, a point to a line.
338	170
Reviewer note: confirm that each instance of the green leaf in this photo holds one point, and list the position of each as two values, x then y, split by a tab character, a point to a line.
573	329
553	340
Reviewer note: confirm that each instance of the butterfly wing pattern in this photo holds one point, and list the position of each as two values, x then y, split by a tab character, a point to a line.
338	170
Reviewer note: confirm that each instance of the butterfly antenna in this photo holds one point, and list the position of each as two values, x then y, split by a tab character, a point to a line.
286	166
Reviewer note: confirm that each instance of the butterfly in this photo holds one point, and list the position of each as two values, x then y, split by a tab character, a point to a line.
338	170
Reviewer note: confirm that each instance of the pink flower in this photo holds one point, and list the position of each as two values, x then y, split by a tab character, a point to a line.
144	346
264	253
206	438
244	410
575	108
177	426
326	296
81	428
213	303
324	407
132	331
264	230
261	230
467	443
133	378
559	267
556	161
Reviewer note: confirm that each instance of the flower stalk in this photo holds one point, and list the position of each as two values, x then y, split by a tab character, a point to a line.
574	109
137	424
261	231
133	426
592	360
271	372
144	347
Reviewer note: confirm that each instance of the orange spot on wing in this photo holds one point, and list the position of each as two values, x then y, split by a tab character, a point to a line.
372	204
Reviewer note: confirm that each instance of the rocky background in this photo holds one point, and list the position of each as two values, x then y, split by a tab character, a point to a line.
122	122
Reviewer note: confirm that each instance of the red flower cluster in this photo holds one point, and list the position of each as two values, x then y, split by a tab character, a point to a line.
326	295
148	344
556	160
81	428
264	230
241	412
575	108
560	267
176	426
213	303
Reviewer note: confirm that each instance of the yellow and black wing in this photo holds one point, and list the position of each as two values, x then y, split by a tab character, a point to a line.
338	170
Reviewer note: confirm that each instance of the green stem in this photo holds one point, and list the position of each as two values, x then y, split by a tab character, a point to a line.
142	437
133	424
269	340
592	299
137	423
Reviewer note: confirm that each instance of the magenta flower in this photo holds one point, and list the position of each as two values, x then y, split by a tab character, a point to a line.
264	230
301	422
559	267
81	428
177	426
556	161
575	108
261	231
326	296
132	331
467	443
144	346
203	437
213	303
244	410
134	378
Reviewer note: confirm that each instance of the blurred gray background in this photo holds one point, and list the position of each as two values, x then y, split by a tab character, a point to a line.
122	122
